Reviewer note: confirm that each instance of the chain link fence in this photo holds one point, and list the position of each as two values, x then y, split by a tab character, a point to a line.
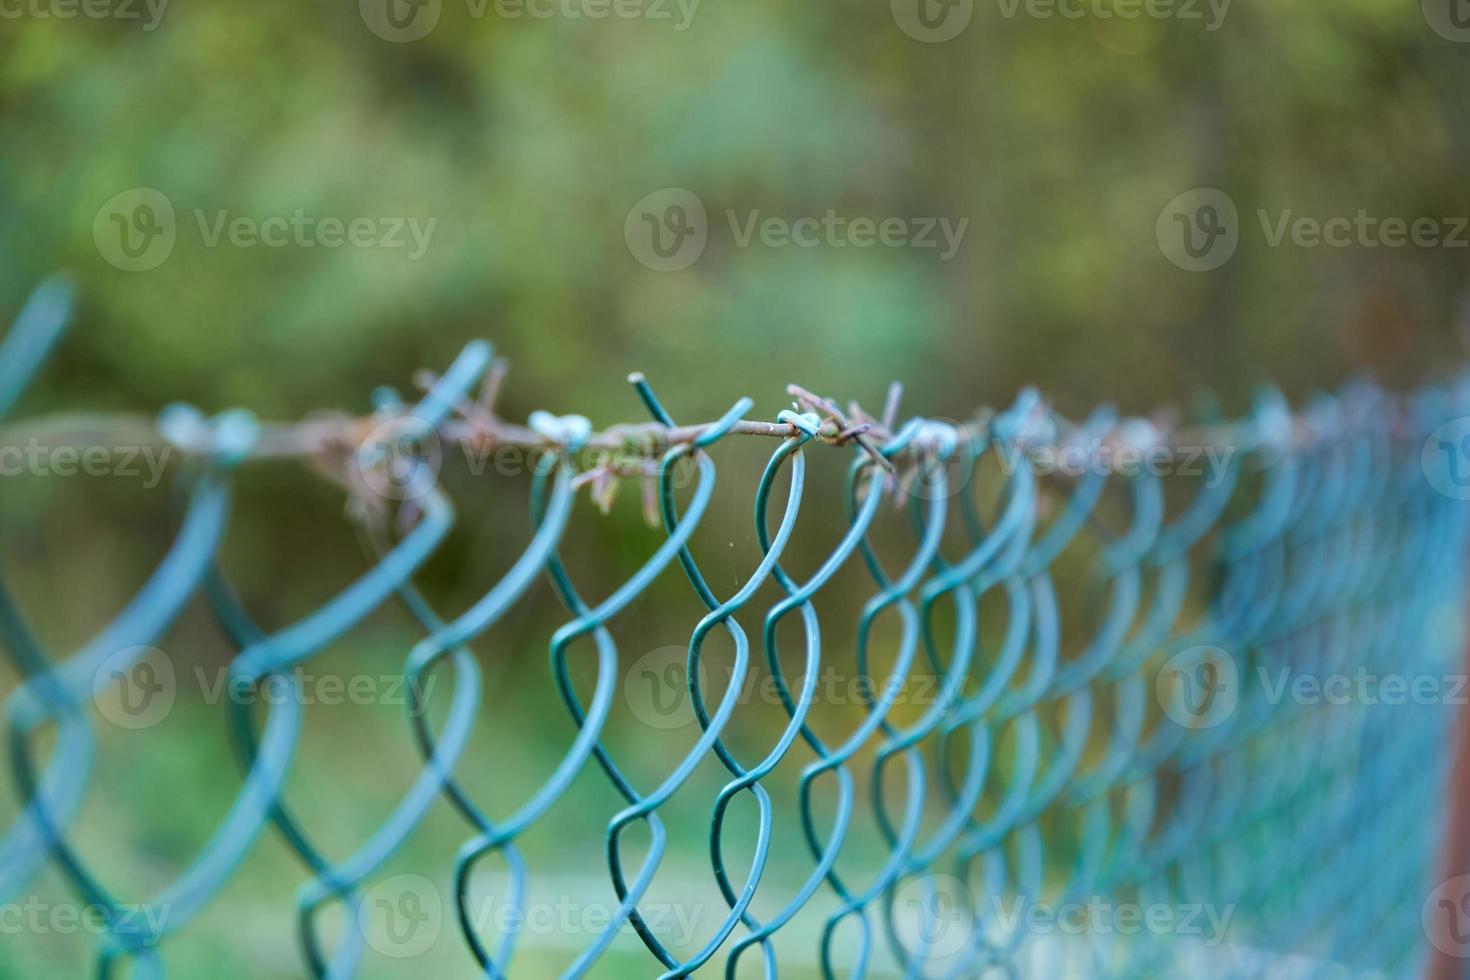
1129	699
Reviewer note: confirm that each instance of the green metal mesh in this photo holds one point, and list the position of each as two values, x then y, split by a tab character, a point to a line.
1229	759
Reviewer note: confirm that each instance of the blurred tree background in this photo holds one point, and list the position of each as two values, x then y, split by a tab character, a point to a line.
526	141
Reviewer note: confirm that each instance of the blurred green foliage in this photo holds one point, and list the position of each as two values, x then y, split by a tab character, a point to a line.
528	140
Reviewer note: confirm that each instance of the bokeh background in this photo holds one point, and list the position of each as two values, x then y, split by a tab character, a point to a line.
526	141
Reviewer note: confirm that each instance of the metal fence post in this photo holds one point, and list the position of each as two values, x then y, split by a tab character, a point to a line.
1443	965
